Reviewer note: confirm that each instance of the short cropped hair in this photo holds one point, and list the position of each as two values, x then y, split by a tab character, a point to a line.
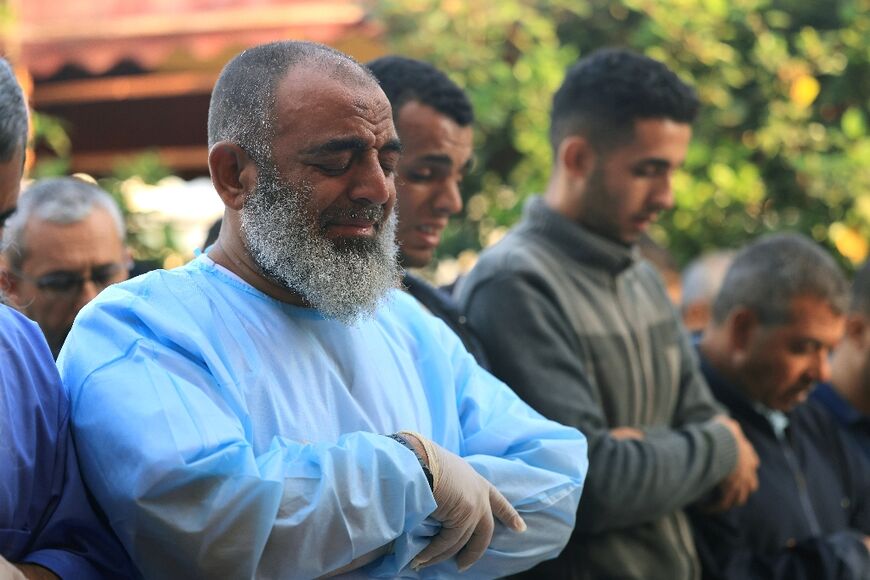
768	274
406	79
62	200
861	291
13	114
242	107
605	93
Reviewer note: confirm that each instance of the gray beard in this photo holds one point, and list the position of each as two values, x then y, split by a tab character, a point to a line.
345	280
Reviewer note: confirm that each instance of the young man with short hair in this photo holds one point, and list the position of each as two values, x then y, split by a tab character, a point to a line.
584	331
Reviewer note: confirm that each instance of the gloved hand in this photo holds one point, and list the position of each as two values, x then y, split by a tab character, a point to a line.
9	572
466	502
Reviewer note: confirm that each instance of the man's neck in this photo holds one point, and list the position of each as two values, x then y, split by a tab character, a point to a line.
235	258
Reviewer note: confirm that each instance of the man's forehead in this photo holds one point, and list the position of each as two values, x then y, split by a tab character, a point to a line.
424	127
304	86
810	317
314	107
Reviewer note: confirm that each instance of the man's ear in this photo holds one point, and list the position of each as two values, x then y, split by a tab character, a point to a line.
233	173
9	283
577	157
857	330
742	324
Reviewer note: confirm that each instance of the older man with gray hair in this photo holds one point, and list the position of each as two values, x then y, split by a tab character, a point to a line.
277	408
780	311
63	245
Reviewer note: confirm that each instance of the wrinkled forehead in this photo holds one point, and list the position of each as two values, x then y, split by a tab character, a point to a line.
311	103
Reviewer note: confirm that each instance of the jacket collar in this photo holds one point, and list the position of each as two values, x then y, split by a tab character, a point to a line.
739	405
577	242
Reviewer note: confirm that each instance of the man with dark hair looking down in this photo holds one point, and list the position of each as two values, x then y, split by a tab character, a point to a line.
277	408
583	330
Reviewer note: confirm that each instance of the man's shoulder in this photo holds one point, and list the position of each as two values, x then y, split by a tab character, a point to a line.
26	364
164	306
815	417
402	309
158	291
20	338
521	254
13	324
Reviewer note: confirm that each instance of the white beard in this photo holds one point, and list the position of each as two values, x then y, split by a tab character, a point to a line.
346	281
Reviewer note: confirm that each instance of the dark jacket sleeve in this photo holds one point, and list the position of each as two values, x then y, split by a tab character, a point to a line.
533	348
726	554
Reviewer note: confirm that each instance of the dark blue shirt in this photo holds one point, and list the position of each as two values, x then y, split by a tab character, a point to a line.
45	514
851	419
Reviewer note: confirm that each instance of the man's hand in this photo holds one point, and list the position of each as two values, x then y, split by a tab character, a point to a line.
623	433
9	572
466	502
867	542
736	488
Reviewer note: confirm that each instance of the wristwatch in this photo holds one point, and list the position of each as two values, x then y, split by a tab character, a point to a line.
400	439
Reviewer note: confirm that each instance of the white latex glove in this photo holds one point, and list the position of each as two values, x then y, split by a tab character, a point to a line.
467	503
9	572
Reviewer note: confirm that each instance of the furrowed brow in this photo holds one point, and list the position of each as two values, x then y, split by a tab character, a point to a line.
655	162
337	146
437	159
392	146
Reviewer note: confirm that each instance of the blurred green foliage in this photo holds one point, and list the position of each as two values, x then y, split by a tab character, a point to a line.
782	142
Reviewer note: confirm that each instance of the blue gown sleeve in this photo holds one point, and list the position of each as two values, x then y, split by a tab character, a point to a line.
171	463
537	464
57	522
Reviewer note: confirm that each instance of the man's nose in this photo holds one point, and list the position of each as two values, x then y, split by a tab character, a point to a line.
371	182
88	292
448	200
663	195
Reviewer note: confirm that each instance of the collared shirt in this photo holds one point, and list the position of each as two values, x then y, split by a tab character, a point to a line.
851	419
45	517
778	420
231	435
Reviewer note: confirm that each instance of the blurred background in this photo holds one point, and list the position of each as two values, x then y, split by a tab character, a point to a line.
120	91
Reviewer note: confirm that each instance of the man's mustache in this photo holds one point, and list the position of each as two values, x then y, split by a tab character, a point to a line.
369	212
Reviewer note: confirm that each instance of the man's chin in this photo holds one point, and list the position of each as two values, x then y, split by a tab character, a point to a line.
793	399
355	244
415	259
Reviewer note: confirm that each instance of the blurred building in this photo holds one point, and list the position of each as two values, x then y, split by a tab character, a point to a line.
129	77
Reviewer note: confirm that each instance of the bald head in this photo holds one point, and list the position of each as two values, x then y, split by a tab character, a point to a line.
242	108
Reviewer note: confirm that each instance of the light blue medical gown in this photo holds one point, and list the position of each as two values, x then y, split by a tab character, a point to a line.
228	435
